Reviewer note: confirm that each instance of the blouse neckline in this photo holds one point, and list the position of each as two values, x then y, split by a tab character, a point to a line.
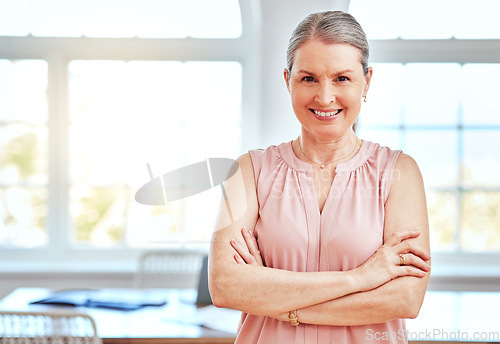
365	152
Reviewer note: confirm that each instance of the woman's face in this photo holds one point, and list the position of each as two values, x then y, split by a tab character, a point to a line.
326	85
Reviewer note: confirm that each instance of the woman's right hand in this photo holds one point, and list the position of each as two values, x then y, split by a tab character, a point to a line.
385	264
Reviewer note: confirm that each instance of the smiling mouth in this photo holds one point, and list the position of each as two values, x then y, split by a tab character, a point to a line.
326	114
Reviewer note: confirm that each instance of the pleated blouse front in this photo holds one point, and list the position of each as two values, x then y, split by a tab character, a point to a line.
294	235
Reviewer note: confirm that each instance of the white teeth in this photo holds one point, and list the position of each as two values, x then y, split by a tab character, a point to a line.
326	114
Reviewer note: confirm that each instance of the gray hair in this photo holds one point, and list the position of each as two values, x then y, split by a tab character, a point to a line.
329	27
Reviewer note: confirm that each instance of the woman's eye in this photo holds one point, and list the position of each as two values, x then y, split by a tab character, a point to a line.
308	79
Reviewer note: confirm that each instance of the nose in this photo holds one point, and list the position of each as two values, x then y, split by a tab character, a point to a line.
325	94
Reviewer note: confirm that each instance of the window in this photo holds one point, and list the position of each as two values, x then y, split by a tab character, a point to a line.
94	91
23	153
163	113
435	100
439	121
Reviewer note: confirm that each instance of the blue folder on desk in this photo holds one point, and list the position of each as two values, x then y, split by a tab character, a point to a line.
121	299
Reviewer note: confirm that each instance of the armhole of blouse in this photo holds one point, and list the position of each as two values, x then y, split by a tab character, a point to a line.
255	165
388	177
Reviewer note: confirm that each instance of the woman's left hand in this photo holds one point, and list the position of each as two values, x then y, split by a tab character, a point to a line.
248	253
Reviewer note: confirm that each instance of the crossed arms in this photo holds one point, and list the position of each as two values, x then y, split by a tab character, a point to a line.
378	291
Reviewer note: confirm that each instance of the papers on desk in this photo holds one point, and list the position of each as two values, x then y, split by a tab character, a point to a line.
219	319
115	298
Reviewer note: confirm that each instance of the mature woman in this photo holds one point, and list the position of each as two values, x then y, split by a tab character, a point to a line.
331	242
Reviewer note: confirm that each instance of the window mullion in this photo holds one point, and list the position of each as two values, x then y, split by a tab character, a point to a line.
58	217
460	169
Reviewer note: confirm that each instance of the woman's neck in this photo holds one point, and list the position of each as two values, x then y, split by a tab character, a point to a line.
327	151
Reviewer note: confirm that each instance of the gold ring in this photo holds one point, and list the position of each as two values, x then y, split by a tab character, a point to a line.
402	259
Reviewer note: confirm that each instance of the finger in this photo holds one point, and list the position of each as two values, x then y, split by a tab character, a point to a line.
238	259
408	247
410	270
252	245
417	262
250	241
243	252
398	237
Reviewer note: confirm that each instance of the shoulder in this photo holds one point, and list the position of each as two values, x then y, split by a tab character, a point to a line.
252	162
391	162
406	170
245	161
406	162
246	169
407	183
269	153
239	204
265	160
379	156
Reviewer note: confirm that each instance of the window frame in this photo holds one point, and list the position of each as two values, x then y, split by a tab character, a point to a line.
58	52
456	264
246	50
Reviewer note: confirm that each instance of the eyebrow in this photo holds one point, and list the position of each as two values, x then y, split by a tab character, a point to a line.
345	71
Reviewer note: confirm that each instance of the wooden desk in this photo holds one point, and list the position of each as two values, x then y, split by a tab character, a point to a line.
148	325
445	318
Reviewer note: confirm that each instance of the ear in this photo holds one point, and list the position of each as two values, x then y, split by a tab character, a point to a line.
287	79
368	78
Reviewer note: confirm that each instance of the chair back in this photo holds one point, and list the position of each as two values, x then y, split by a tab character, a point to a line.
169	269
47	328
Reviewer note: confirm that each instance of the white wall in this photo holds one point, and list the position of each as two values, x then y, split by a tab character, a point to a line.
279	18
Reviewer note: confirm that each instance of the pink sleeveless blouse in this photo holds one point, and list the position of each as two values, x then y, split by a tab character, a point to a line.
293	234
